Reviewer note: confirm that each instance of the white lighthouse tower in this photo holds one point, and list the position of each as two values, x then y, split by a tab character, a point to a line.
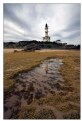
46	38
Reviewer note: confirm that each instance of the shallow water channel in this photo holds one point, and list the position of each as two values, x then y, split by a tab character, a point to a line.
38	82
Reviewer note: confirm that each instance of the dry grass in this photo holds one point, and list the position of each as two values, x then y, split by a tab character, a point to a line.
27	112
21	61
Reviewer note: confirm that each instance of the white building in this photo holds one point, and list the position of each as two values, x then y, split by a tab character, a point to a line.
46	38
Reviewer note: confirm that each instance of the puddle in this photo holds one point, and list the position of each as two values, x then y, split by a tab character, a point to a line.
34	84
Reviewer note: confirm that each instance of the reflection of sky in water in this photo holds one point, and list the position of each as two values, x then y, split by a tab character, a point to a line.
51	66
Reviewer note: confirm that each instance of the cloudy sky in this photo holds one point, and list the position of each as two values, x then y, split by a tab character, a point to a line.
27	22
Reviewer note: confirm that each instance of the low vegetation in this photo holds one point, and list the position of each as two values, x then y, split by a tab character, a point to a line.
36	45
66	101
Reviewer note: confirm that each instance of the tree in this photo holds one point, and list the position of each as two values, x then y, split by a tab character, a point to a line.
58	41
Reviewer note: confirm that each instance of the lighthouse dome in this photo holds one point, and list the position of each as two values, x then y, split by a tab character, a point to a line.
46	26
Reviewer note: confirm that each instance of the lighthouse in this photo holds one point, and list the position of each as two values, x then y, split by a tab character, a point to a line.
46	38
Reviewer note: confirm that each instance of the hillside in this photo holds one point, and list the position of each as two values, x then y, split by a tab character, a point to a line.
36	45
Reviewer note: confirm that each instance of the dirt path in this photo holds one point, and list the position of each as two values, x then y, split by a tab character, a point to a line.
11	50
51	50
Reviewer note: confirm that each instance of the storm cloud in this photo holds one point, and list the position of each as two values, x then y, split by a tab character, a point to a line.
27	21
